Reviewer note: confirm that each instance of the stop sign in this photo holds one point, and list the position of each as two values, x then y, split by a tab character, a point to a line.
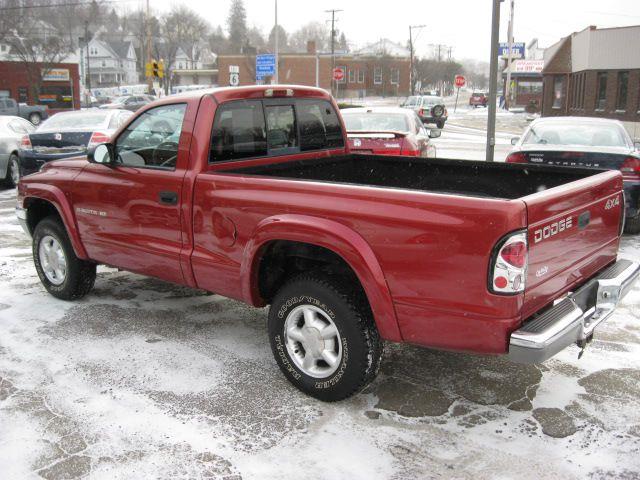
460	81
338	74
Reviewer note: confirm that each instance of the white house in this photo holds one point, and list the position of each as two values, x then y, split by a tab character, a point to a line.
111	63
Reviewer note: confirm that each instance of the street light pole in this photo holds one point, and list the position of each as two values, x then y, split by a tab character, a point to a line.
411	71
507	87
493	81
277	80
149	50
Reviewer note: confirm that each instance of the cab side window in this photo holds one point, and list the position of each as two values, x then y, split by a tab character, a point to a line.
319	125
239	131
151	140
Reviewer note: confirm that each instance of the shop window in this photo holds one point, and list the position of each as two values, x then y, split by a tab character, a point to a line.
621	93
352	75
601	93
558	91
360	76
59	96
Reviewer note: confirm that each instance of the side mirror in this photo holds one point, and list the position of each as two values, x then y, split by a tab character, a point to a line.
102	154
514	140
435	133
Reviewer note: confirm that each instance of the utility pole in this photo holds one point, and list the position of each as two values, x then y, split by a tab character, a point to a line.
412	71
277	80
493	80
507	87
149	50
88	69
333	46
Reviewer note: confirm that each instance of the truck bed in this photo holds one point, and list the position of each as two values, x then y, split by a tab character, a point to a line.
461	177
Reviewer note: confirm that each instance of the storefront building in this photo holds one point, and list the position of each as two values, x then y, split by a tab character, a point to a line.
60	88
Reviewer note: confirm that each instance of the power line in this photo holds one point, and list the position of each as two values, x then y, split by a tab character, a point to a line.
52	5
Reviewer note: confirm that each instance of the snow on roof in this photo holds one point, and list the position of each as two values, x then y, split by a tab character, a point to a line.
384	46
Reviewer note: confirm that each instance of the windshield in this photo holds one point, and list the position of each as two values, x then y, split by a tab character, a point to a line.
411	102
375	122
431	101
590	135
84	121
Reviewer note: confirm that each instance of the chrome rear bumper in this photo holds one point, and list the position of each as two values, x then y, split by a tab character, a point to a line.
574	318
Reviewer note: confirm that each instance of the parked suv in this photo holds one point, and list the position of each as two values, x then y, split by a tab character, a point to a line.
429	108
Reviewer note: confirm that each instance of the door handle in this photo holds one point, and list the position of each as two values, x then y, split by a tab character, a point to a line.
169	198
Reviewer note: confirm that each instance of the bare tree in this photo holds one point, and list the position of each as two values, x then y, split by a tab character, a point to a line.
315	31
34	42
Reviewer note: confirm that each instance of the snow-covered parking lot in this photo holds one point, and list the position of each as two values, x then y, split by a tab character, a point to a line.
145	379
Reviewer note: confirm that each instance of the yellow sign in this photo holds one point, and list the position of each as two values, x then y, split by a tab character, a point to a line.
154	69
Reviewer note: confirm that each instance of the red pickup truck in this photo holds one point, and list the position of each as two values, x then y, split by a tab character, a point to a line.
252	193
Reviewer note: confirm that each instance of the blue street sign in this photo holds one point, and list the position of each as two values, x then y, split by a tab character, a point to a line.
517	49
265	66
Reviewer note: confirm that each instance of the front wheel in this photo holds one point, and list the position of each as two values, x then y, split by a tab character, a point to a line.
64	275
323	336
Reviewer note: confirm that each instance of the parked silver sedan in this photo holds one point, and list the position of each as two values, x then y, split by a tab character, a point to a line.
12	129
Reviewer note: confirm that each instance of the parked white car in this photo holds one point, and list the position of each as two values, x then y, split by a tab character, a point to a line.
12	129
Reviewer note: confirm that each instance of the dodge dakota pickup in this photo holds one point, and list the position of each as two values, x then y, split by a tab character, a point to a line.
252	193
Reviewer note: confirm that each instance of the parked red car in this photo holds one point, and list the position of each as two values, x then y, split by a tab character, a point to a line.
478	99
253	193
388	131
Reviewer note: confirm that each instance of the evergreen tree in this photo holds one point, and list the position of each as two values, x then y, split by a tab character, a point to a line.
237	25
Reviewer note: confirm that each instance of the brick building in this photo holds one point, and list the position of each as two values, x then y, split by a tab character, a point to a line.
60	87
596	73
384	74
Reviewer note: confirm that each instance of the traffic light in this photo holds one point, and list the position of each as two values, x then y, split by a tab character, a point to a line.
160	69
155	68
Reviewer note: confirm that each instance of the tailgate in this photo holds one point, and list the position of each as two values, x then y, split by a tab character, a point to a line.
573	231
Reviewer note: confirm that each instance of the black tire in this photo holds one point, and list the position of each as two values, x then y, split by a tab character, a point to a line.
440	124
13	163
35	118
347	307
632	225
80	274
437	111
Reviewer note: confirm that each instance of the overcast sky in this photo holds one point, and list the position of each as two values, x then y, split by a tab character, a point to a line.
463	24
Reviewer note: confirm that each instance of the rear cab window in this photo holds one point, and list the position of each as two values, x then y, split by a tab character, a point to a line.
245	129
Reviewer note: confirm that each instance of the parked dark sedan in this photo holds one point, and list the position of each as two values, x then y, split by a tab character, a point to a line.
585	142
68	134
129	102
388	131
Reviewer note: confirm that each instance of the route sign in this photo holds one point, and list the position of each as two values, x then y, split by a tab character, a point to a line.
234	75
265	66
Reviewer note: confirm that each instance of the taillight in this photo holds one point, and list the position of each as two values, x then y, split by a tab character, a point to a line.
421	112
25	143
96	139
516	157
508	269
630	167
410	153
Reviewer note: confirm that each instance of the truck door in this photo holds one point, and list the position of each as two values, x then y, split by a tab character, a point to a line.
129	215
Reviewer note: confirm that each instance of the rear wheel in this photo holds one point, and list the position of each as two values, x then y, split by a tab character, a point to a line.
632	225
323	336
12	177
64	275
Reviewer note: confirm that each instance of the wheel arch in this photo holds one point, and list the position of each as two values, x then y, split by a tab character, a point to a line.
52	201
332	237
